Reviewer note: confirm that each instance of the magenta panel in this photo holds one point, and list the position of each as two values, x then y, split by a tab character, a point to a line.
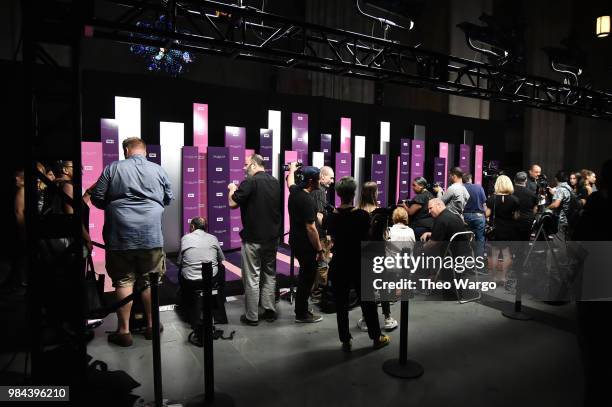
379	175
265	148
235	141
299	136
465	157
403	179
345	135
344	168
109	136
191	185
200	126
444	154
203	204
478	158
418	160
290	156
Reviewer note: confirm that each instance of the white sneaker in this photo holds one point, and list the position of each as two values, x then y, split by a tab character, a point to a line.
390	324
361	324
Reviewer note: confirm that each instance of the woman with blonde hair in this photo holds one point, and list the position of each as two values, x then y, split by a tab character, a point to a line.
502	213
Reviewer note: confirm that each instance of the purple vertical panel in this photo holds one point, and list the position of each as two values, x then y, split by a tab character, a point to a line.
326	148
109	136
265	148
418	160
343	168
235	140
218	208
191	185
439	170
299	136
379	175
203	182
465	158
290	156
154	153
404	169
444	154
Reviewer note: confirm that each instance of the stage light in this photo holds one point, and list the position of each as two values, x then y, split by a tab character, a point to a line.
384	22
602	27
570	61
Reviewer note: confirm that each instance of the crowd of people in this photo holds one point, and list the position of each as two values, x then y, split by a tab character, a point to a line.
323	239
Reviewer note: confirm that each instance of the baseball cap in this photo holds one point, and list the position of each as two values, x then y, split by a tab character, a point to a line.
308	173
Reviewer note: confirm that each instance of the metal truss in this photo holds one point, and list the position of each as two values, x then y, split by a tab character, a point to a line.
246	33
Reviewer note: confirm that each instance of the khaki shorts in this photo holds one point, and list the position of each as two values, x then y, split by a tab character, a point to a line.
126	266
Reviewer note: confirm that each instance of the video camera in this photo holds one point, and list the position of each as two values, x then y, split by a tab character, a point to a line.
286	166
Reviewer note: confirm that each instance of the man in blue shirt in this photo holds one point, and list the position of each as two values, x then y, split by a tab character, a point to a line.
474	211
132	193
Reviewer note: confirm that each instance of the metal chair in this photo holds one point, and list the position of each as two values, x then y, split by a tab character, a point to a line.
469	238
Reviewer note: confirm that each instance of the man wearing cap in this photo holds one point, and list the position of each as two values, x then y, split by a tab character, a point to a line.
528	202
303	235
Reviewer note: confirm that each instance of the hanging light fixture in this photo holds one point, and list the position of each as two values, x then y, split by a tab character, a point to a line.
602	28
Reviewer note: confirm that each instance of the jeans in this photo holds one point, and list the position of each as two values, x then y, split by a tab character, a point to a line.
476	223
306	278
259	276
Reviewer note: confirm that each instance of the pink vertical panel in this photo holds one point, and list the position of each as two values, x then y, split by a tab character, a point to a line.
200	126
397	181
203	205
91	156
248	152
478	157
444	154
290	156
345	135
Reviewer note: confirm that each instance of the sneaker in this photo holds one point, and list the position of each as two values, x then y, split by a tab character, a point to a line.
247	321
361	324
123	340
390	324
347	346
381	342
148	333
269	315
310	318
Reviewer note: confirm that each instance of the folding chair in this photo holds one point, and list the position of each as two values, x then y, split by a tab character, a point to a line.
468	240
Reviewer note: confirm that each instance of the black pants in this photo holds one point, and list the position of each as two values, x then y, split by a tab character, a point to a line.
306	278
191	299
340	277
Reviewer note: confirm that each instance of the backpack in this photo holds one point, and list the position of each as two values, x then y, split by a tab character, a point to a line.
574	210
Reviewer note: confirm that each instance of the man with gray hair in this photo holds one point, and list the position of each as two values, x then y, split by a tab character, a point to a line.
320	196
258	198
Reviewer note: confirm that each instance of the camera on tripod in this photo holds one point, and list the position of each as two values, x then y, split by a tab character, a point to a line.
286	166
542	183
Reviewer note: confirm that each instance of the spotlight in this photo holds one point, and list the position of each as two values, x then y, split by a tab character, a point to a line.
569	61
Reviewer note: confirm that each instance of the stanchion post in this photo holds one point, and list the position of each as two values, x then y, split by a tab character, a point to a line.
517	311
157	375
402	367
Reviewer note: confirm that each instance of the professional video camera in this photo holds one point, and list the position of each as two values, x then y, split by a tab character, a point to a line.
286	166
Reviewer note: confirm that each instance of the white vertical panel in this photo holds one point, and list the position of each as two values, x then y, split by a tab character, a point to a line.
274	124
172	139
360	152
127	114
318	159
385	136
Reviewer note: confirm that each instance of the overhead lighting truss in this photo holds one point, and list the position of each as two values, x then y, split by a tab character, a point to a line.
246	33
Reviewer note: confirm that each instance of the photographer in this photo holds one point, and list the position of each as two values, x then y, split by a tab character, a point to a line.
320	197
303	236
532	181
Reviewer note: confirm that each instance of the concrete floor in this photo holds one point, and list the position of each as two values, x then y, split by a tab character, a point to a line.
472	356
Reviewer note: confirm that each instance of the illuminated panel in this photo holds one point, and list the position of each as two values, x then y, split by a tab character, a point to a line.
218	208
191	186
343	169
385	137
299	136
379	175
478	158
200	126
91	156
439	168
465	157
345	135
274	124
109	136
265	148
127	114
318	159
444	154
359	164
403	179
235	141
326	148
418	160
290	156
172	139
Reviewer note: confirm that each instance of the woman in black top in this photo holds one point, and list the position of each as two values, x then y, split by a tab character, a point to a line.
420	219
348	227
502	212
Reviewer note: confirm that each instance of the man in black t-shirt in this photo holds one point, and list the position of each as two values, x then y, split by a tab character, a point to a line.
528	204
446	224
303	235
258	197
